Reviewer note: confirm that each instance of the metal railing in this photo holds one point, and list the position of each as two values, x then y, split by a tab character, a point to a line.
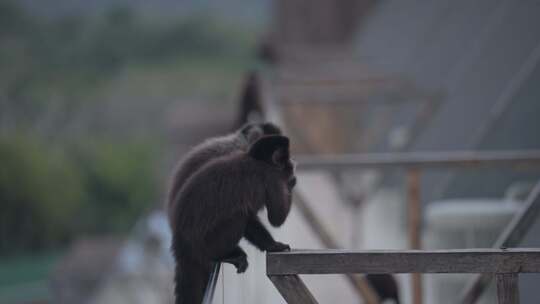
510	237
272	103
212	283
280	269
413	163
283	268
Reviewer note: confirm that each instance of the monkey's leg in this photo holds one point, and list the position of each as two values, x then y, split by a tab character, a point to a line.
238	258
259	236
221	242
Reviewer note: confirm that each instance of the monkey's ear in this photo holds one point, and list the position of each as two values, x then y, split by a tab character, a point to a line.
244	129
271	148
251	132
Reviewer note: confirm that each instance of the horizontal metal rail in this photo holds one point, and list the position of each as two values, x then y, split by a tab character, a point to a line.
283	268
420	160
413	163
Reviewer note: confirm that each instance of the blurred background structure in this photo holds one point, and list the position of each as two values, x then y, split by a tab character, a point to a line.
99	98
97	101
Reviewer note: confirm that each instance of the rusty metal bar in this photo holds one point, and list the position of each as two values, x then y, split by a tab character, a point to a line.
414	217
522	158
507	288
414	209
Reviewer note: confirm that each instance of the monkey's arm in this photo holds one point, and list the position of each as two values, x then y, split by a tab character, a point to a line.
259	236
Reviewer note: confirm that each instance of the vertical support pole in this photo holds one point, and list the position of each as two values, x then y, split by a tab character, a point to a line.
414	216
507	288
293	289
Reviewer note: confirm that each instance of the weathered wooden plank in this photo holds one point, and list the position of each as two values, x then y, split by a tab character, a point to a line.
407	261
508	288
519	158
510	237
293	289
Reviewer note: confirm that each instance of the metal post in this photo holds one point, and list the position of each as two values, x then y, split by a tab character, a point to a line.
507	288
212	283
414	213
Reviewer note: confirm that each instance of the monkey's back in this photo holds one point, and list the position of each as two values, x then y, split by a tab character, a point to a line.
197	157
228	187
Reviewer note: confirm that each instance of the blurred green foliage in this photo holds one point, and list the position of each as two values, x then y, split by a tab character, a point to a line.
82	114
40	188
119	181
50	194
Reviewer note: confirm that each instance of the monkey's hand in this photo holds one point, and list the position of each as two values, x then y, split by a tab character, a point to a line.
278	246
241	265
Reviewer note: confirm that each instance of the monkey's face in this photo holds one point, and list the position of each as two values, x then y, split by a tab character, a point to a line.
274	150
282	160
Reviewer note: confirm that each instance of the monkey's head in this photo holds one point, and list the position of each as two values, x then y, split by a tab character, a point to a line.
274	151
253	131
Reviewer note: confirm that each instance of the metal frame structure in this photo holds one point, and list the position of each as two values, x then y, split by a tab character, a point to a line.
505	264
510	237
414	163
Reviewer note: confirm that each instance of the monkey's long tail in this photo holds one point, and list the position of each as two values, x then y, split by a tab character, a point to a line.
385	285
191	279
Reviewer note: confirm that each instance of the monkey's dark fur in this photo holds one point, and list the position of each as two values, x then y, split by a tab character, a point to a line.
214	148
250	99
217	205
385	286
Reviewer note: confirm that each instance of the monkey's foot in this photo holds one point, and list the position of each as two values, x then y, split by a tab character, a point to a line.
278	246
